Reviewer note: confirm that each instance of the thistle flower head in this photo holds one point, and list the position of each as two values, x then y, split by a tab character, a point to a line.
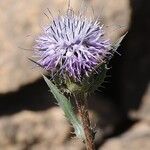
72	45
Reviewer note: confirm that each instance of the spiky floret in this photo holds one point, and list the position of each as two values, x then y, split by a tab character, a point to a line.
72	45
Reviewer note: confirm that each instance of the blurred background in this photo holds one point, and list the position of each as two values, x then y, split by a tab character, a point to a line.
29	118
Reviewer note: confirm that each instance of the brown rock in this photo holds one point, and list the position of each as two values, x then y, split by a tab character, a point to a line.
22	18
137	138
115	14
50	130
74	144
30	130
144	110
18	19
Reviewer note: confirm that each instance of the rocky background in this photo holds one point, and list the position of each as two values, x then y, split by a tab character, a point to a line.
29	119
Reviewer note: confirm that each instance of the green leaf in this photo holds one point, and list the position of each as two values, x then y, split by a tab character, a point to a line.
66	106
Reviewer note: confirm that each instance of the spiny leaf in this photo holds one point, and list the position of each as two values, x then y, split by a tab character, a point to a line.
117	43
66	106
99	78
92	83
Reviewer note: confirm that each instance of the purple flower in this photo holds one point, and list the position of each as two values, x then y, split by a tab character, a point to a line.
72	46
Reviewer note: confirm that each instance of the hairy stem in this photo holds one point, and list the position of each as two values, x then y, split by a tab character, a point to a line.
81	103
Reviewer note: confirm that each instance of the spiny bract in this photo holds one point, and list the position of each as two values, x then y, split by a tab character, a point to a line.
72	45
